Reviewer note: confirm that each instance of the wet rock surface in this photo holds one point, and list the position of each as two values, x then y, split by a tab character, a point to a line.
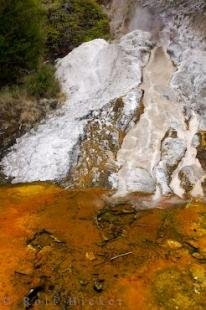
80	248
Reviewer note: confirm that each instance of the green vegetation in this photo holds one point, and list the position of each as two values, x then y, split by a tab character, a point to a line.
42	83
72	22
21	38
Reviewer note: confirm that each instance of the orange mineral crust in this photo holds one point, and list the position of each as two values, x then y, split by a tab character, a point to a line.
77	249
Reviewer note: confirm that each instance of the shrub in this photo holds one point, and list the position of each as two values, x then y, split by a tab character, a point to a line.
21	38
42	83
72	22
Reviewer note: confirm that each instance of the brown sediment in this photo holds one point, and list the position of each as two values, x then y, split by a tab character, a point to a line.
64	249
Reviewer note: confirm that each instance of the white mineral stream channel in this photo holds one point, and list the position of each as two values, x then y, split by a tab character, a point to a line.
141	149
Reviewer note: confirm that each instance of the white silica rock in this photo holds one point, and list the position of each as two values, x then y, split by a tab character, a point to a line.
91	75
190	83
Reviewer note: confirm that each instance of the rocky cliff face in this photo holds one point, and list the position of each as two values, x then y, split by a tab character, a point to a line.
135	117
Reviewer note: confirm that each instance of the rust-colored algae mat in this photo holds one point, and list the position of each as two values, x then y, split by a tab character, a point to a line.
72	249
